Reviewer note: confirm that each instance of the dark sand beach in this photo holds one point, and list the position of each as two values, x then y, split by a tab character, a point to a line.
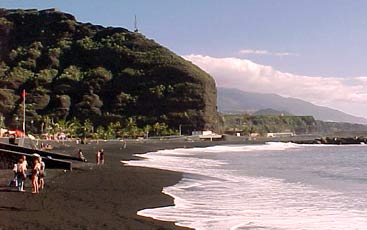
94	196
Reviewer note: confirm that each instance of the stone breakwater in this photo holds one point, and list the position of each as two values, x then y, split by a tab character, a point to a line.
334	141
9	155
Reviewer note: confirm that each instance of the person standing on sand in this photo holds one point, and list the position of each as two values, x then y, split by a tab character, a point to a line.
21	174
35	174
25	161
42	173
101	156
25	165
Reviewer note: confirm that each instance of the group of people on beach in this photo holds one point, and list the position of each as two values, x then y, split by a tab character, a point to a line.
99	156
37	173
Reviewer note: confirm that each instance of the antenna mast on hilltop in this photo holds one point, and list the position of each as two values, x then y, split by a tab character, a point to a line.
136	26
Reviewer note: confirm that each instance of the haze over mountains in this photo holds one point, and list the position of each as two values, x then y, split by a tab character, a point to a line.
237	101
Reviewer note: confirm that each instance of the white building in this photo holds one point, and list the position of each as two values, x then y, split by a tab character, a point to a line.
285	134
207	134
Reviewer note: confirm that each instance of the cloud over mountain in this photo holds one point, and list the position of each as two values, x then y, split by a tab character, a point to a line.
347	94
266	52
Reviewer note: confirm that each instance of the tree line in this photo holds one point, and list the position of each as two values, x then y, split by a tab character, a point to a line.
75	128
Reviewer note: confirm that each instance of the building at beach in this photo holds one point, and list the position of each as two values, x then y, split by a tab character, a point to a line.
206	135
284	134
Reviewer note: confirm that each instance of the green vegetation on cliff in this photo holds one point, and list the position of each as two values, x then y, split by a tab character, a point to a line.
263	124
71	69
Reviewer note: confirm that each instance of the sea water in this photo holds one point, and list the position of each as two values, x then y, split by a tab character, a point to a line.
273	186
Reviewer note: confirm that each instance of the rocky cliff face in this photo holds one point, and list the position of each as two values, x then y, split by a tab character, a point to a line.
72	69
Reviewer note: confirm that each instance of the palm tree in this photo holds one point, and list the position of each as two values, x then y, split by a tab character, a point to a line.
67	127
131	128
86	128
46	124
100	133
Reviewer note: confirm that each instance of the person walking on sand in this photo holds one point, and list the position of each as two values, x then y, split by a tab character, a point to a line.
101	156
98	155
35	174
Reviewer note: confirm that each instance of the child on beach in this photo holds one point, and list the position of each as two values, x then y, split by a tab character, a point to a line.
14	181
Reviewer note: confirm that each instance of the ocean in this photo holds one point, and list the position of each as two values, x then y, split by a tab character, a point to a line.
275	186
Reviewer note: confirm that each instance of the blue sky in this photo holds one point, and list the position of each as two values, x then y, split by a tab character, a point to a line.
328	37
322	41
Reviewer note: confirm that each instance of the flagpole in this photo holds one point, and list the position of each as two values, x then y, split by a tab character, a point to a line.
23	94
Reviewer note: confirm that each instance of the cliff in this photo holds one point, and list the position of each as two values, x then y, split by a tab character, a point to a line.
73	69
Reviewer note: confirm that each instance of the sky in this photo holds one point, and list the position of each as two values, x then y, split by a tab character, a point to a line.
308	49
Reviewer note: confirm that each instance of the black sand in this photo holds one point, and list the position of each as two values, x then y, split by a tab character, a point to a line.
94	196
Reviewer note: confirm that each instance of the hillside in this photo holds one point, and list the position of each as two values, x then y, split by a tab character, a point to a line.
72	69
300	125
237	101
269	112
263	124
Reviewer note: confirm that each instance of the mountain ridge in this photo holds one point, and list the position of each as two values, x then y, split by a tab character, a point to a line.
232	100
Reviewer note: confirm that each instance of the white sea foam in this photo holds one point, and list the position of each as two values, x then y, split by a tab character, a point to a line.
211	196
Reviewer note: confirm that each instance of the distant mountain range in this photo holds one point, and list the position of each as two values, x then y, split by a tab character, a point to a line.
237	101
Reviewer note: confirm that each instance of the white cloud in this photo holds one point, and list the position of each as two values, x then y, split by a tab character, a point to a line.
348	94
266	52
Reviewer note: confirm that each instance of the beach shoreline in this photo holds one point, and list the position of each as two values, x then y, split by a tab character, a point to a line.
96	196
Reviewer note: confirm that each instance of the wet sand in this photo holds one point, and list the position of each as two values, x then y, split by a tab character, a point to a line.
94	196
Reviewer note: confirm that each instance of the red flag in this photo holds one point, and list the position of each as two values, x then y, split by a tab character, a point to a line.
23	93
